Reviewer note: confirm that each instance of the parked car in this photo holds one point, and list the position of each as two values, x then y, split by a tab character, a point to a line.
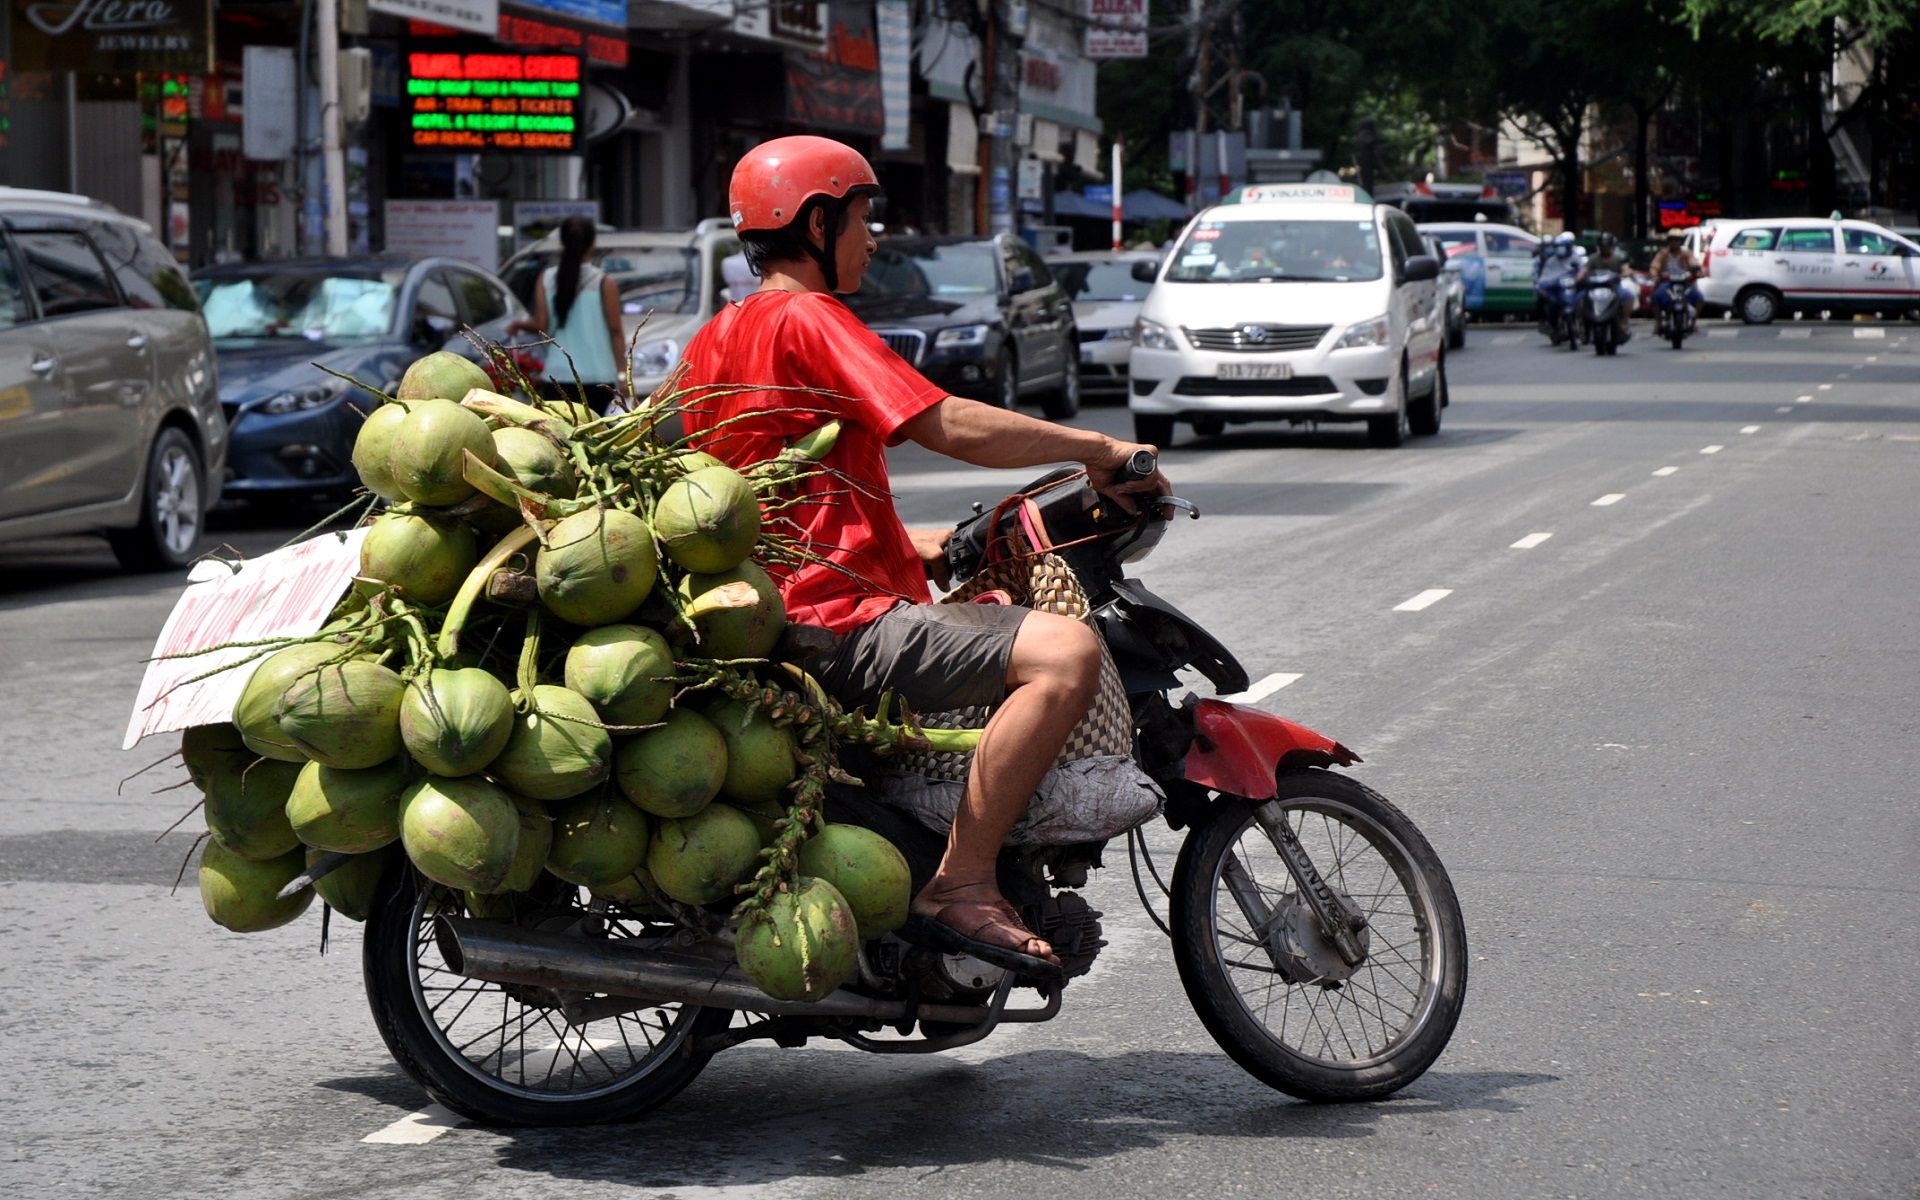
1762	269
276	324
1292	302
670	283
109	415
1453	290
981	317
1106	299
1496	264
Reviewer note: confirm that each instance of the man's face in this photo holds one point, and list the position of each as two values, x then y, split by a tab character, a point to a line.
856	246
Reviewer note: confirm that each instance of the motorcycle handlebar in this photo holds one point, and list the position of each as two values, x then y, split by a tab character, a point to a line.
1140	466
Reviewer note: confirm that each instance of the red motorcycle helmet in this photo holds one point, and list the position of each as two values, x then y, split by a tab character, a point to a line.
776	179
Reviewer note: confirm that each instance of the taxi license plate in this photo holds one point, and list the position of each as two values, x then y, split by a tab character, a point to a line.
1258	370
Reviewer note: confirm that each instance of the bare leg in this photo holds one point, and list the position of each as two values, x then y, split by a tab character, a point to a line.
1051	681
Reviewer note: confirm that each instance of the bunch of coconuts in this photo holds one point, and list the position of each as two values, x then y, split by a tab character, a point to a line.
554	663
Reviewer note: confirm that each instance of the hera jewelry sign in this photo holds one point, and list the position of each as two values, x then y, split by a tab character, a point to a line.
113	35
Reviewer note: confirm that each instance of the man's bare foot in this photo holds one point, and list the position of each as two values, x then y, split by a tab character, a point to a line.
978	911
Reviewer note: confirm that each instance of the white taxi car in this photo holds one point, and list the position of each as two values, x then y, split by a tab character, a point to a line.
1766	268
1291	302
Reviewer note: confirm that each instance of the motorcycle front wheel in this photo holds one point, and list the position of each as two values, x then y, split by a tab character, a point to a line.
505	1054
1274	992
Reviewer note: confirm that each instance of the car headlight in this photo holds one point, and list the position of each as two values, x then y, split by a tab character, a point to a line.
654	359
1374	332
1121	333
300	400
1150	335
959	336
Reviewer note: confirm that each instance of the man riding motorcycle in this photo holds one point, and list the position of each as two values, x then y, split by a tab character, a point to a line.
1554	266
1675	263
800	205
1608	256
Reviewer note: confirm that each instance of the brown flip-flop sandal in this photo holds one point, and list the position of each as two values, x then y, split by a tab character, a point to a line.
974	916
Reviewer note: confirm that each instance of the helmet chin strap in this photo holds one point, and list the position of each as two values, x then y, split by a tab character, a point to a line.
826	257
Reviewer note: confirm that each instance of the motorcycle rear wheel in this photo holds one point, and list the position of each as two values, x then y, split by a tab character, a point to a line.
517	1061
1361	1037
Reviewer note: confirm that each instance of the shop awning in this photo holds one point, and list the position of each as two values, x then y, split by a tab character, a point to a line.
1143	205
1073	204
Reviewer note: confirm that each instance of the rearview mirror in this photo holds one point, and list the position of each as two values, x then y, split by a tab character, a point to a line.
1419	267
432	330
1146	272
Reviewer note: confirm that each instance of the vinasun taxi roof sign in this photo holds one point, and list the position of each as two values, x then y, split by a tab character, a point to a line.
1281	193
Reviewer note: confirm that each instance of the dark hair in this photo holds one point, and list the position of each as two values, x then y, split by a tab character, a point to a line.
576	238
789	243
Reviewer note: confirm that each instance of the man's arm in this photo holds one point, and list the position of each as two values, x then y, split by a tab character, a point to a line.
986	436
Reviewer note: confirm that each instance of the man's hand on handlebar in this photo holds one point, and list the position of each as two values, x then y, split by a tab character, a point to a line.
931	546
1108	474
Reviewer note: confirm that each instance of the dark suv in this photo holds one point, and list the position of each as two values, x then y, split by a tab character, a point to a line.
109	406
981	317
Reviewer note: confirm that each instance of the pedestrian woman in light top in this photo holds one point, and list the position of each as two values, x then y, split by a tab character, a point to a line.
577	305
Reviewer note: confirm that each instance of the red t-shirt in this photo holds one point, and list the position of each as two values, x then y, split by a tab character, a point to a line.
810	340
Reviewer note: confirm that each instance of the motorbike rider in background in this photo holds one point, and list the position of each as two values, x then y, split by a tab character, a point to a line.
1675	262
1558	260
1608	256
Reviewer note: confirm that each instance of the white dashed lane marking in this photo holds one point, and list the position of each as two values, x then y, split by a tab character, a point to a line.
1784	408
1262	688
1711	449
1749	429
1609	499
1825	387
1530	541
415	1129
1425	599
1803	399
1665	471
1871	333
1796	333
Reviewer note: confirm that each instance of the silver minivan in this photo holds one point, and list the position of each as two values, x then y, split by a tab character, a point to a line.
109	407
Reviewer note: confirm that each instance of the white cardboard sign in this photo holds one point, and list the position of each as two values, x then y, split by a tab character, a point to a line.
287	593
468	229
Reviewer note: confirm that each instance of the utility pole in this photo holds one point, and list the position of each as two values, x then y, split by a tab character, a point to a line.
999	155
1200	50
332	162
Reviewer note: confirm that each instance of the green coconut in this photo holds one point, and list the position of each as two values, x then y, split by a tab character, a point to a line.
730	632
254	713
424	560
760	754
698	859
624	671
556	752
708	519
430	449
455	722
211	750
597	839
764	817
867	870
373	451
530	853
352	887
673	771
442	375
346	715
688	461
241	894
533	461
630	891
246	810
804	946
460	832
352	811
597	566
502	905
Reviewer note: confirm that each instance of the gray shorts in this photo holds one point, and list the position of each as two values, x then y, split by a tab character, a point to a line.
936	657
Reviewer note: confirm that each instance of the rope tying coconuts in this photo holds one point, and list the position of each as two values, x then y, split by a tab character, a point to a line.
562	659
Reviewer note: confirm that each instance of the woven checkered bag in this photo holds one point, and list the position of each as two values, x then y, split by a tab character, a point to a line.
1045	583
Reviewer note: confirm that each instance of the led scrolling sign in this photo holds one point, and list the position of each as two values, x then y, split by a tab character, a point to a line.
486	102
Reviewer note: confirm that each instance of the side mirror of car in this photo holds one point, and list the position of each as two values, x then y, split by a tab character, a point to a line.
430	329
1022	280
1419	267
1146	272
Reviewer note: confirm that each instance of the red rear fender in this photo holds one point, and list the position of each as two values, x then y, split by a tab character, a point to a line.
1238	750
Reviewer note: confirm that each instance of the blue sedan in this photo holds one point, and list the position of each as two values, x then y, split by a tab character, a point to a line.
275	324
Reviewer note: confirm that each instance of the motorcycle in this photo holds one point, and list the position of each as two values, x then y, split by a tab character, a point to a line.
1556	320
1314	929
1596	310
1676	319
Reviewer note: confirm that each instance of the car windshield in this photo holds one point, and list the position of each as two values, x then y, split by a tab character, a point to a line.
662	279
321	306
1278	250
961	272
1108	280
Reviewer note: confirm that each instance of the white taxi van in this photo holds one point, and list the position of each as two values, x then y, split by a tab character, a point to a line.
1291	302
1766	268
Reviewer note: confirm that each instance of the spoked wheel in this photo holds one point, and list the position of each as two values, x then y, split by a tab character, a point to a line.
512	1055
1279	995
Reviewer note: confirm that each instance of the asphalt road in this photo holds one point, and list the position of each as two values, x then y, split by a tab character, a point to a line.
1666	751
